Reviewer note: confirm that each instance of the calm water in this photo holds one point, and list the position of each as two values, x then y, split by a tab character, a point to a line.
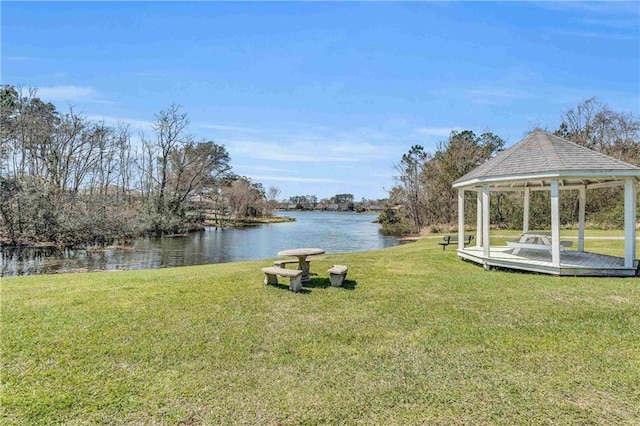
333	232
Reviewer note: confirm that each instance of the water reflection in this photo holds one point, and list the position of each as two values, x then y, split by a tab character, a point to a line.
334	232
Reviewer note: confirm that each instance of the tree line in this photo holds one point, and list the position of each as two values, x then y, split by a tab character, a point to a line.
423	196
69	180
340	202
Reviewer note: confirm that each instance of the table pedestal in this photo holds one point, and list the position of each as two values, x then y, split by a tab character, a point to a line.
303	265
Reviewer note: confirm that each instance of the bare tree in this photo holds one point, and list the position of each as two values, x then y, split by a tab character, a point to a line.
409	170
192	166
272	198
123	143
169	131
594	125
246	198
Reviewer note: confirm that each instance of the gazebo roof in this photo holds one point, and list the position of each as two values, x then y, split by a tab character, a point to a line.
541	157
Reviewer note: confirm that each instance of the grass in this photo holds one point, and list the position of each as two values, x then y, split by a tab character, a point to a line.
416	336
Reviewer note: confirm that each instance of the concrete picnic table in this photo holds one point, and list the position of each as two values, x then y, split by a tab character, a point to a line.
301	254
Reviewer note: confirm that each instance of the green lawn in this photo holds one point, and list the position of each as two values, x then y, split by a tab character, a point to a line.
416	337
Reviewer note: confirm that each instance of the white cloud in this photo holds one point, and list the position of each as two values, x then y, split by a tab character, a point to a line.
613	23
593	34
261	168
229	128
600	8
70	94
293	179
113	121
313	144
18	58
383	175
362	149
615	15
494	93
266	151
363	134
321	150
437	131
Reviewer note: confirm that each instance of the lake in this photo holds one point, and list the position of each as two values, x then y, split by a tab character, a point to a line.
335	232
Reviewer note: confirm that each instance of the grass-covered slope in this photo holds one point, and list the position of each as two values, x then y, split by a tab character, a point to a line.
416	337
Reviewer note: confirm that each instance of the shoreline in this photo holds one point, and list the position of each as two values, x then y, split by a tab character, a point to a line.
84	270
225	224
211	245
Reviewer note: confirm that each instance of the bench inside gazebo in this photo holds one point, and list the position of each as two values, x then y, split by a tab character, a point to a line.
544	162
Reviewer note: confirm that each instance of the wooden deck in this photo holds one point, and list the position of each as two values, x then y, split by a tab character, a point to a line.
572	263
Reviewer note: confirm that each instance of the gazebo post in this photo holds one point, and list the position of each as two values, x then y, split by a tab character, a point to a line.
582	198
525	215
542	161
485	221
479	219
460	219
555	224
629	223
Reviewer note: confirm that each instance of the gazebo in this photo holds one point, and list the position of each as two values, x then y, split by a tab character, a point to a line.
544	162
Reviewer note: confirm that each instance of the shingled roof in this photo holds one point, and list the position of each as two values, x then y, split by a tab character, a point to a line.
542	155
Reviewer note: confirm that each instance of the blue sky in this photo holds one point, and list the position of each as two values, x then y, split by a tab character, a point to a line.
324	98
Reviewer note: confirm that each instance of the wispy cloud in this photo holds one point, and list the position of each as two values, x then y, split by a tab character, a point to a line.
135	124
151	76
293	179
261	168
597	19
365	142
309	145
362	149
384	175
437	131
600	8
515	83
297	152
18	58
495	95
599	35
228	128
71	94
611	23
